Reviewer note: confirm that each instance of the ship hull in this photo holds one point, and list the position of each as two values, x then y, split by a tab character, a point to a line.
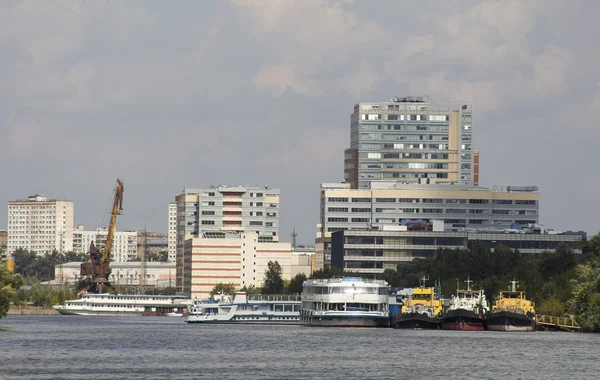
350	321
508	321
462	320
416	321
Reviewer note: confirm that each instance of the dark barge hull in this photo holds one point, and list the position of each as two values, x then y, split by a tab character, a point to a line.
508	321
415	321
462	319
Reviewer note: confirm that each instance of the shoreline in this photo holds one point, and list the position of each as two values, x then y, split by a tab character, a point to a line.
31	310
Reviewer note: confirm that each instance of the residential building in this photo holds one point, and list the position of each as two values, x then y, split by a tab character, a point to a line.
172	232
394	203
225	209
240	259
158	275
41	225
408	139
371	252
3	240
124	246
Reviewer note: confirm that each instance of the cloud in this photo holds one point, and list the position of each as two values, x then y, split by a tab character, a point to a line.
252	92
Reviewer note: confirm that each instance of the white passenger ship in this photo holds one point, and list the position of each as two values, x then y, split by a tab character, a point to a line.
250	309
345	302
123	305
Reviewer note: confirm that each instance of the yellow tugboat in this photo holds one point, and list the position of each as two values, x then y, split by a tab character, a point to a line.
420	311
512	311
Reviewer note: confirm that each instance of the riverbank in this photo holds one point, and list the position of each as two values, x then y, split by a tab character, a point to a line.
31	310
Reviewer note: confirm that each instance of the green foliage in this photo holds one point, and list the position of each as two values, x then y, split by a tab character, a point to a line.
162	256
273	283
41	267
329	272
294	286
551	306
222	288
585	300
9	283
251	290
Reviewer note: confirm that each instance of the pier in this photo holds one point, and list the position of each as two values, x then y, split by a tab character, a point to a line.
551	323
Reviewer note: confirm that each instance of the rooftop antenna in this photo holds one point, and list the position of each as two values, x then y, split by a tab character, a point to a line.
294	235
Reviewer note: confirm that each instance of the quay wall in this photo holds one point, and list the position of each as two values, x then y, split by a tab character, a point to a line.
15	310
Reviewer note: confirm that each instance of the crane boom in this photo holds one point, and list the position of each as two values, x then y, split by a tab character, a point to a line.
117	207
98	266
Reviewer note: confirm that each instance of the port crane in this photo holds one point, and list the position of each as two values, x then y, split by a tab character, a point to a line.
97	268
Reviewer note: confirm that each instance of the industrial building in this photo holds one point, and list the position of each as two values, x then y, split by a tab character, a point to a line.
371	252
41	225
392	203
234	209
240	259
409	138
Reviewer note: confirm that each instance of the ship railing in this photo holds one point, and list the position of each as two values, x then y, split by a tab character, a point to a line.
338	280
275	297
562	322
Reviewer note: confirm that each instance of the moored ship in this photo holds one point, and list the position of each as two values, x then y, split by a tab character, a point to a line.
466	310
345	302
421	310
247	309
511	312
105	304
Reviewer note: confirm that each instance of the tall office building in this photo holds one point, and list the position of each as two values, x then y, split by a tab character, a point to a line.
124	246
225	209
172	232
40	225
408	139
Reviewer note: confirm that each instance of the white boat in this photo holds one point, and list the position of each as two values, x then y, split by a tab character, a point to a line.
249	309
345	302
122	305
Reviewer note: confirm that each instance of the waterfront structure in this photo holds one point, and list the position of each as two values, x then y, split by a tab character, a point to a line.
392	203
271	309
124	274
172	232
234	209
40	225
408	139
345	302
124	247
371	252
240	259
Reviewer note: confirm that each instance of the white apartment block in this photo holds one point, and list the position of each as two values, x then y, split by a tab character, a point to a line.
172	234
40	225
124	244
240	259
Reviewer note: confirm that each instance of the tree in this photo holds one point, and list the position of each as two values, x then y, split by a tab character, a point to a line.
273	283
222	288
162	256
295	284
9	282
391	277
328	272
251	290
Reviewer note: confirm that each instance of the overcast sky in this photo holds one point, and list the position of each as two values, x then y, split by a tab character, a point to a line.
197	93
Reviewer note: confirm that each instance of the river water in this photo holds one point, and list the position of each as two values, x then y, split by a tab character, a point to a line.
75	347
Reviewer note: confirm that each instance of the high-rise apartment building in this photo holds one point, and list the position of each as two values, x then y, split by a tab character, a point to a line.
225	209
40	225
409	139
124	246
172	232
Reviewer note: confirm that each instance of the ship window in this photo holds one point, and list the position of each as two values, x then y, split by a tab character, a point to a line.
278	307
287	308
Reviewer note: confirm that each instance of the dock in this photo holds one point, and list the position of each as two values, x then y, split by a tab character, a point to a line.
551	323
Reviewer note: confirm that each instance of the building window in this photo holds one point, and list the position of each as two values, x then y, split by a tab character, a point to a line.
208	213
337	209
208	222
361	200
361	210
256	223
338	200
360	220
385	200
337	220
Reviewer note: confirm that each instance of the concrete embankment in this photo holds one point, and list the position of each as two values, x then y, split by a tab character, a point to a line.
14	310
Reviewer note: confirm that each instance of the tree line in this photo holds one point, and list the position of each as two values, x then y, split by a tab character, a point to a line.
41	267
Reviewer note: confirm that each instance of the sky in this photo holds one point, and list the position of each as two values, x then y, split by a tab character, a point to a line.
167	95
